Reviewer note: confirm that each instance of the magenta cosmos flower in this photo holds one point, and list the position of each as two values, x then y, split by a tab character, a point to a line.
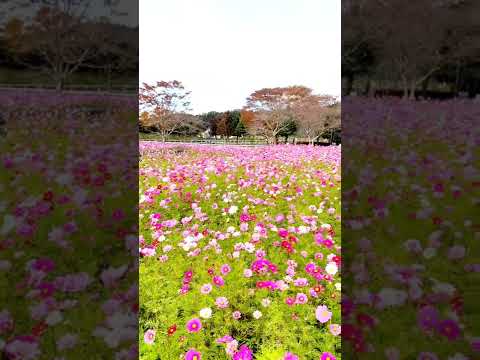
218	280
194	325
427	356
322	314
290	356
193	354
149	336
450	329
327	356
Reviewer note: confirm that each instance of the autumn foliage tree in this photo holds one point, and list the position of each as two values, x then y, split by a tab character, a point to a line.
272	108
314	115
59	36
165	102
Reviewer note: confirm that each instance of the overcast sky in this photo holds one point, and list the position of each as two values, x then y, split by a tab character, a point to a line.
223	50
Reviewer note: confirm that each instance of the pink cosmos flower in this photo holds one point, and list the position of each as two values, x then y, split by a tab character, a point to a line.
301	299
322	314
327	356
247	273
456	252
221	302
67	341
22	348
149	336
236	315
335	329
206	288
6	322
225	269
193	354
194	325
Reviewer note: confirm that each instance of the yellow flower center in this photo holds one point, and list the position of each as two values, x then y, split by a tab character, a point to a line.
195	357
194	326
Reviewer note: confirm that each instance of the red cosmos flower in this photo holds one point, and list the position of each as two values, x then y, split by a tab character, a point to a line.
292	239
359	346
39	329
211	271
450	329
102	167
287	246
171	330
457	304
48	196
365	320
135	307
436	220
318	289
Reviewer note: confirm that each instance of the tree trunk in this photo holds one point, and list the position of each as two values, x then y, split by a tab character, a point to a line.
425	84
109	77
413	86
367	86
349	84
405	88
59	83
457	79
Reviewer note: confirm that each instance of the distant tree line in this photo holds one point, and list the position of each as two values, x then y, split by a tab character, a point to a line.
59	39
273	114
428	48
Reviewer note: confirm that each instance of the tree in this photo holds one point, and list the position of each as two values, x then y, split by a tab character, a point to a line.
247	119
312	114
332	123
272	108
59	37
165	101
233	118
289	129
240	130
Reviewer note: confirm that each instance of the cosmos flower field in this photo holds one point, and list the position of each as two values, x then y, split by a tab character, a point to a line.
240	252
410	192
68	254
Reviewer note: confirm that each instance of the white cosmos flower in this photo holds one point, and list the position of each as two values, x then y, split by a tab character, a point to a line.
206	313
458	356
331	268
257	314
429	252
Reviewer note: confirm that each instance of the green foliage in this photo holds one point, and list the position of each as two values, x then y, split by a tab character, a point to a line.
240	129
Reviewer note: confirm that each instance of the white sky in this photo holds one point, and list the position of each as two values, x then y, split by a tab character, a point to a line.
223	50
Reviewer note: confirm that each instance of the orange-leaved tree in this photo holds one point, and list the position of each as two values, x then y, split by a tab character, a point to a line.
273	109
165	101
